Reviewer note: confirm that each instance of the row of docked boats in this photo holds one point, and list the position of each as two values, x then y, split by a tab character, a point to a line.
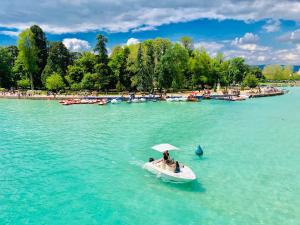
79	101
117	100
190	98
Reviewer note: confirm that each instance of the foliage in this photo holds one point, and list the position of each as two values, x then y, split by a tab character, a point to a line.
90	81
250	81
172	67
74	74
58	60
156	64
55	82
28	54
187	43
118	65
7	59
277	72
42	52
104	76
23	83
200	67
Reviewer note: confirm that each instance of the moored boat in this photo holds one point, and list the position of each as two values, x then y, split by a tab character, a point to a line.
115	101
102	102
192	98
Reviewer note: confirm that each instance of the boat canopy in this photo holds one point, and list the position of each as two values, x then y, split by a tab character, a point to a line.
164	147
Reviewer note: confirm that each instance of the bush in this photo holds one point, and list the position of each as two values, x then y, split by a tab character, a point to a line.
90	81
250	81
23	83
55	82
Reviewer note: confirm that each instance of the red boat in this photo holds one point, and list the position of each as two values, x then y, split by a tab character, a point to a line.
102	102
192	98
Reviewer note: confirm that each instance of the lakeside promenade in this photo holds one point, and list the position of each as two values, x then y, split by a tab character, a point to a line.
253	93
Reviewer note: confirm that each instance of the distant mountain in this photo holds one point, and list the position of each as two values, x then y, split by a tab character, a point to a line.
295	67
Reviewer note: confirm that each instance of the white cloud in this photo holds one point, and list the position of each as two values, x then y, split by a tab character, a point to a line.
248	38
293	37
76	45
248	43
211	47
272	26
266	56
144	28
62	16
132	41
10	33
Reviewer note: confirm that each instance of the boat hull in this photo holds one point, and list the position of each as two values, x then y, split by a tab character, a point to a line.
185	175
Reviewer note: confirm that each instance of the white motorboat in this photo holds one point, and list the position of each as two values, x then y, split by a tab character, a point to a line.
183	99
135	100
170	99
115	101
167	170
244	96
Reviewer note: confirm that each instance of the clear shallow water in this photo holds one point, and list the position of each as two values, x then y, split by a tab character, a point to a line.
82	164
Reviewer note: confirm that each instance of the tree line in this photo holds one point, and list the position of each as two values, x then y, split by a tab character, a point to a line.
156	64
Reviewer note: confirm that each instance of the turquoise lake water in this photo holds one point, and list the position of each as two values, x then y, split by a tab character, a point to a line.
82	164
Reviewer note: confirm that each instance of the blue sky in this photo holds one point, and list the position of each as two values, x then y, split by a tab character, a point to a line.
263	32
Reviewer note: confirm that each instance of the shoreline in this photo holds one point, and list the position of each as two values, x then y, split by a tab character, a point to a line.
199	94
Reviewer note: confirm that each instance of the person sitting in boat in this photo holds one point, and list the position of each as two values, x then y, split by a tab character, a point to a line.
177	167
166	157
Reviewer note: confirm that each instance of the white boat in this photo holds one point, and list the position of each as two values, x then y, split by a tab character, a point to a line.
167	171
115	101
244	96
142	99
135	100
183	99
171	99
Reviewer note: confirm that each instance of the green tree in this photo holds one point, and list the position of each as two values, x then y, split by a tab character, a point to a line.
102	69
149	65
90	81
102	56
55	82
160	47
42	52
118	66
28	54
287	72
74	76
273	72
172	67
200	67
237	70
187	43
87	61
7	60
58	60
255	70
141	79
250	81
23	83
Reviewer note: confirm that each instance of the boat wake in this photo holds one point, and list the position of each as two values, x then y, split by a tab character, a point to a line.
138	163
